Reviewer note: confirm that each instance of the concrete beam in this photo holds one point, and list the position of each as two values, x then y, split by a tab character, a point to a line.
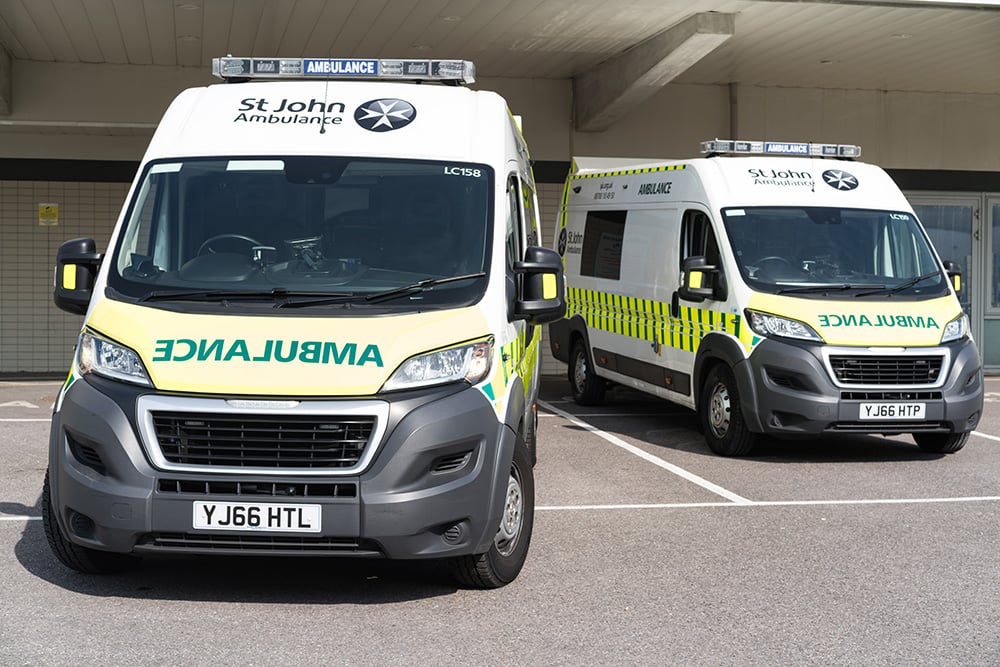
6	69
605	93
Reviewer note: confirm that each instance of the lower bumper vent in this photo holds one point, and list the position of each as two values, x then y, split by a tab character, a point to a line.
256	544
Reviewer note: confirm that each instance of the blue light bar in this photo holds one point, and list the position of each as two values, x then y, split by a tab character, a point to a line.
448	71
727	146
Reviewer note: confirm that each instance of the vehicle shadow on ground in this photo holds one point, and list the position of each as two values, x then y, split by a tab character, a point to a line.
241	579
659	423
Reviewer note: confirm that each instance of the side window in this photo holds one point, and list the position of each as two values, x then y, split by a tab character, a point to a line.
601	255
530	214
514	239
697	238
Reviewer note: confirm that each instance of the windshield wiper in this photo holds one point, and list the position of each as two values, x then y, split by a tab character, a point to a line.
421	286
816	289
227	294
901	286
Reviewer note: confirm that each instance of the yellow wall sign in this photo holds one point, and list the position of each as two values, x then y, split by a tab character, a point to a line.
48	215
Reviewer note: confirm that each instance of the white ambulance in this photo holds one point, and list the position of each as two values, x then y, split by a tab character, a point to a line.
775	288
315	329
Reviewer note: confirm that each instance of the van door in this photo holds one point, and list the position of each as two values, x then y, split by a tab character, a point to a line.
694	318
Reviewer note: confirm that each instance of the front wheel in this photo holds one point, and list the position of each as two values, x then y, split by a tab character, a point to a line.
940	443
588	388
501	564
721	415
74	556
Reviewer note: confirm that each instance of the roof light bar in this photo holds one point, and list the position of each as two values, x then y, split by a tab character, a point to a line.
448	71
780	148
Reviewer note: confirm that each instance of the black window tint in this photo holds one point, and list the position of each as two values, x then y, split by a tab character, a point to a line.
602	244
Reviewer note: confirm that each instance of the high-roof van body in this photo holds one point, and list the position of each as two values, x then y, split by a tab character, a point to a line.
314	331
778	295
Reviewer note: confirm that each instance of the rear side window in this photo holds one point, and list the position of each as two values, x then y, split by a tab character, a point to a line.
603	233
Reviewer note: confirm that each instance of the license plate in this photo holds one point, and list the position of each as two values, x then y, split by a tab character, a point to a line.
271	517
877	411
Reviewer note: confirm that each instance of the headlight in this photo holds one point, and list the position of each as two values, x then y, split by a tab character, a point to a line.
956	329
468	362
764	324
101	356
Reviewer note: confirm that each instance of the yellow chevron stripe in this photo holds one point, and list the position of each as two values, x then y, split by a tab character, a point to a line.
650	320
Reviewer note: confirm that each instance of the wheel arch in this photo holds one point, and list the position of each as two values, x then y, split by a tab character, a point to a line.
564	333
718	348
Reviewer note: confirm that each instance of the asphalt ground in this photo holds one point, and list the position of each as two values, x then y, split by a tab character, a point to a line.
647	550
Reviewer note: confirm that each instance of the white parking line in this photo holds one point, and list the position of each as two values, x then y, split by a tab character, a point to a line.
769	503
617	414
677	470
14	517
26	420
984	435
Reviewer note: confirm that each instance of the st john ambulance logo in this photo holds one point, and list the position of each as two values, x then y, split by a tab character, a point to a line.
839	179
385	114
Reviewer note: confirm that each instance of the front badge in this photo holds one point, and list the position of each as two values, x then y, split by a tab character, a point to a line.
839	179
385	114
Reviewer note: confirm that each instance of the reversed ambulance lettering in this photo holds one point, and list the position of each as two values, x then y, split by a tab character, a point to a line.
282	351
907	321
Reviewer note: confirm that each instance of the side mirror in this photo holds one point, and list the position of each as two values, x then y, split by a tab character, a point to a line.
77	262
954	272
541	286
701	280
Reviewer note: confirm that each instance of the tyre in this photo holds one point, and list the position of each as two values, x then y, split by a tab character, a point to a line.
501	564
588	389
940	443
721	415
531	435
73	556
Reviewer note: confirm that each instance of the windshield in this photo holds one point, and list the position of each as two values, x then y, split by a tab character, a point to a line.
320	230
819	250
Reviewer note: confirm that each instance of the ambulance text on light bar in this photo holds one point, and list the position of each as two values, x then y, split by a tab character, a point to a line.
451	71
780	148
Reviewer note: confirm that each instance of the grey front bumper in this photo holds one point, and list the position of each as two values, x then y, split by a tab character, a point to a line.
433	489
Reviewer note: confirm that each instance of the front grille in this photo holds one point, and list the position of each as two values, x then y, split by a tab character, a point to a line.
886	370
281	489
890	395
256	544
271	441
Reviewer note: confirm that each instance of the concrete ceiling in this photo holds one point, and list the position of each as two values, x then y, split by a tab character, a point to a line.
612	49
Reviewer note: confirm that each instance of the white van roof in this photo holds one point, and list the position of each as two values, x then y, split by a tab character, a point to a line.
296	117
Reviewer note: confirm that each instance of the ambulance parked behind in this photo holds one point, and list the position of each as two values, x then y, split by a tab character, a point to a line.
315	329
780	289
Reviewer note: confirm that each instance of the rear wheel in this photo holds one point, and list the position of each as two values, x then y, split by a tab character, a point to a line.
588	389
940	443
503	562
73	556
721	415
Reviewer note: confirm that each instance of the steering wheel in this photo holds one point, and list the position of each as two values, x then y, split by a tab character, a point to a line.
206	247
771	258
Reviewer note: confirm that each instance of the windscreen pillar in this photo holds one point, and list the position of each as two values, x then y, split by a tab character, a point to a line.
608	91
6	88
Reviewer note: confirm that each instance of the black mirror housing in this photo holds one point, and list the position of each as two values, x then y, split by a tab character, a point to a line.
954	272
701	280
541	286
77	262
